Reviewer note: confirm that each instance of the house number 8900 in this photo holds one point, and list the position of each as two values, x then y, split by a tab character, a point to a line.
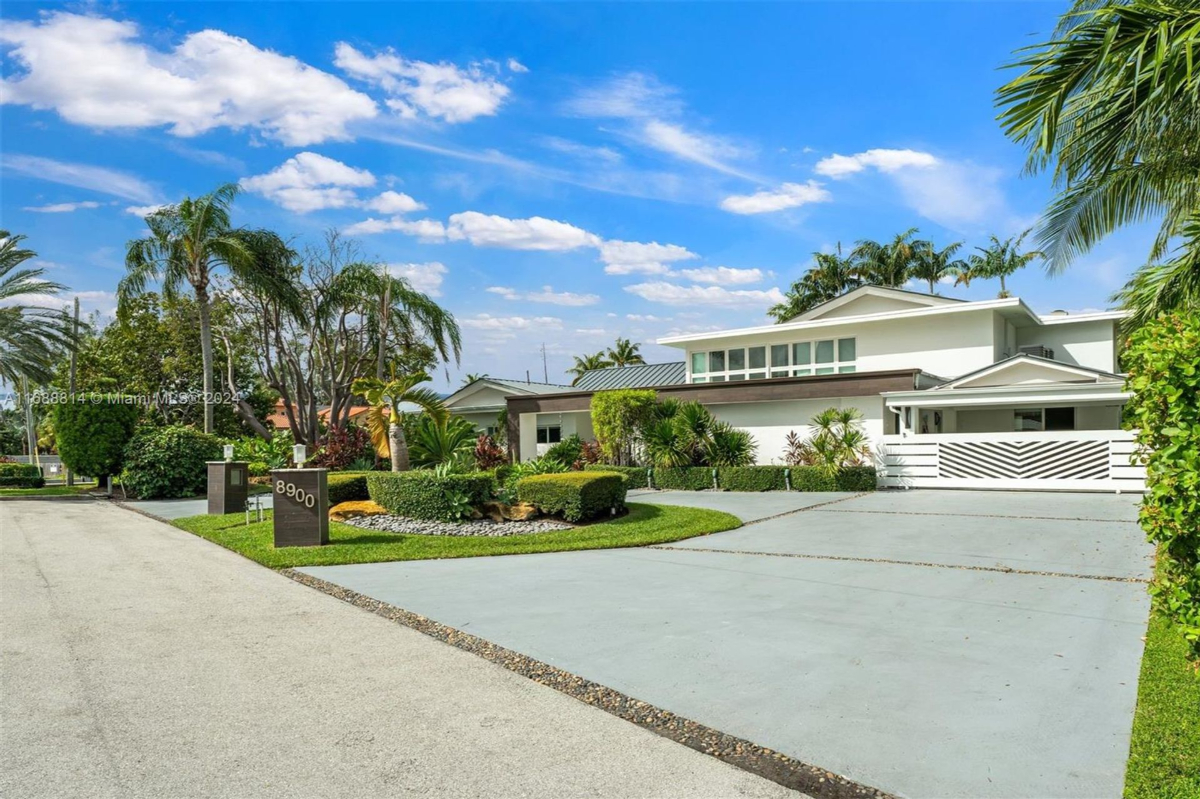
299	494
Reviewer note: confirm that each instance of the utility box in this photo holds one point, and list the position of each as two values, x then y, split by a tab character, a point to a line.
228	484
301	503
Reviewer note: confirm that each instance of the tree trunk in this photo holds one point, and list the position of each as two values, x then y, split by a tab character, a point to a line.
206	357
398	447
71	385
384	311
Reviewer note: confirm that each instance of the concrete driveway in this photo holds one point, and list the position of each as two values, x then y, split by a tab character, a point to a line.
931	644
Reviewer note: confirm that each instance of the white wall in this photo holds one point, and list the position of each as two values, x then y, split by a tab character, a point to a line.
984	420
482	421
572	423
1090	344
1098	417
770	422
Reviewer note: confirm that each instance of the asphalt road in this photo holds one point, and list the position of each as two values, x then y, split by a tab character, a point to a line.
139	660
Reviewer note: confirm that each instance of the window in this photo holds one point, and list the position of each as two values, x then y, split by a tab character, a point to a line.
1060	418
550	434
1027	420
796	359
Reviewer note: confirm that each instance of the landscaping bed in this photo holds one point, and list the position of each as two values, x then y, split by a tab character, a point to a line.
474	527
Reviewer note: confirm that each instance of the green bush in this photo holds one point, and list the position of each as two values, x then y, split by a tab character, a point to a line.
168	462
752	478
849	478
635	476
576	496
617	418
91	432
347	487
686	478
21	475
425	495
566	451
857	478
1163	360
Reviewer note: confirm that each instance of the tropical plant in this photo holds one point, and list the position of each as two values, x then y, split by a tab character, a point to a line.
586	364
30	336
1111	104
488	454
445	441
837	441
687	434
168	462
275	453
384	417
887	264
933	265
618	418
471	377
625	353
831	275
187	243
1001	259
567	451
342	446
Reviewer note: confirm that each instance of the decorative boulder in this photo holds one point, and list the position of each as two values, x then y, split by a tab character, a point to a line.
353	510
519	512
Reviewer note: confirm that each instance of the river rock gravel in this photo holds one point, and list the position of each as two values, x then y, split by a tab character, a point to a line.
478	527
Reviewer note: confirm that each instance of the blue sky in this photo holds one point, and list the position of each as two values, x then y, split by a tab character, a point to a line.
554	173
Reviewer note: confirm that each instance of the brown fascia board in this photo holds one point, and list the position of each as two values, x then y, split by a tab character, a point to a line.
853	384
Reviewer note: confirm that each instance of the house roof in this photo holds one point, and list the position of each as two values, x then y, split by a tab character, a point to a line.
1069	372
916	298
648	375
518	387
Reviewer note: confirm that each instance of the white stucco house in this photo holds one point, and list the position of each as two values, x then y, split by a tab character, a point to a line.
984	394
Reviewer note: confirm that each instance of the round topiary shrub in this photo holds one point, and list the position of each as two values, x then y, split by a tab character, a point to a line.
169	462
91	431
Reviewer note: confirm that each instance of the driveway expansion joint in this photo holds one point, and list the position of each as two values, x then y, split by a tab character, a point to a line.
967	515
761	761
890	561
825	504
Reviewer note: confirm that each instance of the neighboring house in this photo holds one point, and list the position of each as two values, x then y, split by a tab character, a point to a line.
952	393
481	401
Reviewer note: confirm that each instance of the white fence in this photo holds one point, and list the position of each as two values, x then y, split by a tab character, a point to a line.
1075	460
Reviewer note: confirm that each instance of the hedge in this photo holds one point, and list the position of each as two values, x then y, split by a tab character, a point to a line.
91	431
687	478
347	487
576	496
424	495
635	476
168	462
21	475
752	478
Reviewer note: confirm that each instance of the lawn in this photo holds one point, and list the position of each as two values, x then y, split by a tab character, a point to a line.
644	524
1164	755
47	491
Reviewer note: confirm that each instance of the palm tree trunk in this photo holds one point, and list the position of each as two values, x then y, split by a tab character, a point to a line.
206	357
398	447
931	291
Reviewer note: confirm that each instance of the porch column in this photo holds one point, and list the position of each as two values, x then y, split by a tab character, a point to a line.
527	441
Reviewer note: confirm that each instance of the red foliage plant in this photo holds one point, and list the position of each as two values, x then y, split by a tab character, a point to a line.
488	454
342	446
589	452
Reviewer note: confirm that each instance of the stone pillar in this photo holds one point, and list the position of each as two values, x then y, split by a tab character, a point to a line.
228	484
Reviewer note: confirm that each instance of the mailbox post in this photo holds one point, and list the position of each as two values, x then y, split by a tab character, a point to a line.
227	486
301	502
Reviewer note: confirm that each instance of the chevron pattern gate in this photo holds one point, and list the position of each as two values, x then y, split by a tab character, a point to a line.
1025	460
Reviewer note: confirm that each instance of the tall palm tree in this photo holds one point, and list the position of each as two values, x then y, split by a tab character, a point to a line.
187	243
831	275
587	363
384	420
471	377
31	336
1111	105
1001	259
888	264
625	353
932	264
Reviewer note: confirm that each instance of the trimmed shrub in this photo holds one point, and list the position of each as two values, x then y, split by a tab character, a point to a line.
169	462
850	478
576	496
857	478
618	417
635	476
752	478
686	478
426	495
91	431
347	487
21	475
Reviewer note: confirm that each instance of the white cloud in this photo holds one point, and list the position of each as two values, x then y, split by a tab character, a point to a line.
442	91
887	161
788	195
429	231
706	150
94	71
955	194
82	176
534	233
101	302
516	66
672	294
61	208
509	323
584	151
426	277
632	257
547	295
310	182
637	317
721	275
393	202
143	210
628	96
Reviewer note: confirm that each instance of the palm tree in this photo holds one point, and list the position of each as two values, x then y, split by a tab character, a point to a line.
1001	259
625	353
187	243
932	265
887	264
830	276
471	377
30	336
1111	104
383	419
587	363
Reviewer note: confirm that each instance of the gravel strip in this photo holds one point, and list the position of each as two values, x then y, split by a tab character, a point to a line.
775	766
478	527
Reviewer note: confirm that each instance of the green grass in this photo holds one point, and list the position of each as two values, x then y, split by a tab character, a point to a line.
47	491
644	524
1164	755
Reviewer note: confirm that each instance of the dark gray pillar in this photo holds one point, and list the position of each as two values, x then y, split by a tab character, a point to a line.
301	501
228	483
